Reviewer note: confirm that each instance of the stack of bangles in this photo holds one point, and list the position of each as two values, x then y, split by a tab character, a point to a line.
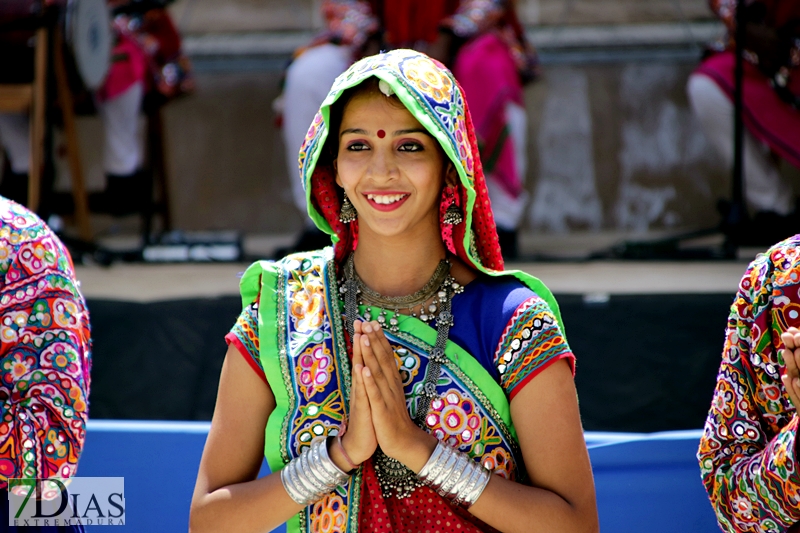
452	474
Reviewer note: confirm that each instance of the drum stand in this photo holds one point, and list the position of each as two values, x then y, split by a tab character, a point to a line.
32	97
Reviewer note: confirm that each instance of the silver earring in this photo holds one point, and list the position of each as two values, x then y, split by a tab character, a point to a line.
453	214
348	213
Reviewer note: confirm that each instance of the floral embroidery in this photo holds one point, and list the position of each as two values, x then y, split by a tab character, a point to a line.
747	451
44	351
500	462
311	431
429	79
453	419
329	515
408	362
314	369
306	307
331	407
37	256
66	313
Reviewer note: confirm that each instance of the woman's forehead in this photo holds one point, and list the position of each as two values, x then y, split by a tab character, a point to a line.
377	108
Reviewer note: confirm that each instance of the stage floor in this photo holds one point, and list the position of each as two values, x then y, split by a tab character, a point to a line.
647	337
155	282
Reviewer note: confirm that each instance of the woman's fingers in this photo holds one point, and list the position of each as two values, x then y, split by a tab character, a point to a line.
382	349
360	435
788	338
791	362
357	357
359	394
376	402
792	386
384	369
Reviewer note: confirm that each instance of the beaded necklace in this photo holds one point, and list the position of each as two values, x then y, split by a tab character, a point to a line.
393	476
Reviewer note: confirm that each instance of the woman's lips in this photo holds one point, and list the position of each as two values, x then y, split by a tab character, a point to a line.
386	201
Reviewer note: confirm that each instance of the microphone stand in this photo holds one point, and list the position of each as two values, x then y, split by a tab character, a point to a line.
737	216
736	219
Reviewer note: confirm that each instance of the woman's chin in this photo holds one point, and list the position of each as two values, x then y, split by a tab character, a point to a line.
384	229
399	224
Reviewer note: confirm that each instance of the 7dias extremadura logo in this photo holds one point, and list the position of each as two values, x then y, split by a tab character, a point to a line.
90	501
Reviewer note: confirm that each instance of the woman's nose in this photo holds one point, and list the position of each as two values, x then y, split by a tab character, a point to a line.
382	165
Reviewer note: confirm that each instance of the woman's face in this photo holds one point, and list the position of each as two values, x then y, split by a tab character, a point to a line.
390	167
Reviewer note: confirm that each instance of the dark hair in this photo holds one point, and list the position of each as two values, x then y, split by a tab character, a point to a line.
336	113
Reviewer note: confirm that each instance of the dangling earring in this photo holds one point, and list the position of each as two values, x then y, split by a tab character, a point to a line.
348	213
453	215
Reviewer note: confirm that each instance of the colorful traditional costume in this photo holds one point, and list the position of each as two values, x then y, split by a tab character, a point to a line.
44	353
492	61
506	325
748	452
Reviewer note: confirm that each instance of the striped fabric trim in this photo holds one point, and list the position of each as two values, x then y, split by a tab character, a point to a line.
530	342
244	335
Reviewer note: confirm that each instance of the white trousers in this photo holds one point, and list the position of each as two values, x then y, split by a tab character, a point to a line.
765	189
308	80
122	147
15	140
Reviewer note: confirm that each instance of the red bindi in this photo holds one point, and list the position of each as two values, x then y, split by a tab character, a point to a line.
381	134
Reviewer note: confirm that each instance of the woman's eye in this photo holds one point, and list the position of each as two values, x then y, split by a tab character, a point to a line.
357	147
410	147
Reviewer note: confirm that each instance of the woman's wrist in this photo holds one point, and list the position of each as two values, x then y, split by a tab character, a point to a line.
339	455
416	452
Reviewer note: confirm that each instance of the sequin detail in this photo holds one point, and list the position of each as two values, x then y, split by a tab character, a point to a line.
45	351
530	341
747	452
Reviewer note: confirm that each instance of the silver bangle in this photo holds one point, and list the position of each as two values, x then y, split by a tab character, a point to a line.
312	475
454	475
459	469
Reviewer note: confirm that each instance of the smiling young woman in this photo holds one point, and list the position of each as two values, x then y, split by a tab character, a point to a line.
400	380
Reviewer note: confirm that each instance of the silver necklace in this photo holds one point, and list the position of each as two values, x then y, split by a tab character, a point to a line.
431	293
393	476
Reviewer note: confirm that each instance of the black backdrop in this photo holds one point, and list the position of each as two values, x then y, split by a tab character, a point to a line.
644	362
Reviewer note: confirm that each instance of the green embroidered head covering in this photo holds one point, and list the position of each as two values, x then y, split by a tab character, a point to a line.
431	93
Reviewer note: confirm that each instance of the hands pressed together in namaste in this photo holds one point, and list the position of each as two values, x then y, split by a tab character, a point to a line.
378	412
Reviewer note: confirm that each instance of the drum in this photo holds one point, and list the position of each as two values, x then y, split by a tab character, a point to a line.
85	24
89	36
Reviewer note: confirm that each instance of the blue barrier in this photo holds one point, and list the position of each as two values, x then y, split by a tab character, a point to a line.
644	482
650	483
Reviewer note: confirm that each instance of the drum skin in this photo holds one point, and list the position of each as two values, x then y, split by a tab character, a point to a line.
90	39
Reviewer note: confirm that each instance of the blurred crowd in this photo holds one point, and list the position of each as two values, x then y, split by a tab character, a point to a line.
146	68
485	45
